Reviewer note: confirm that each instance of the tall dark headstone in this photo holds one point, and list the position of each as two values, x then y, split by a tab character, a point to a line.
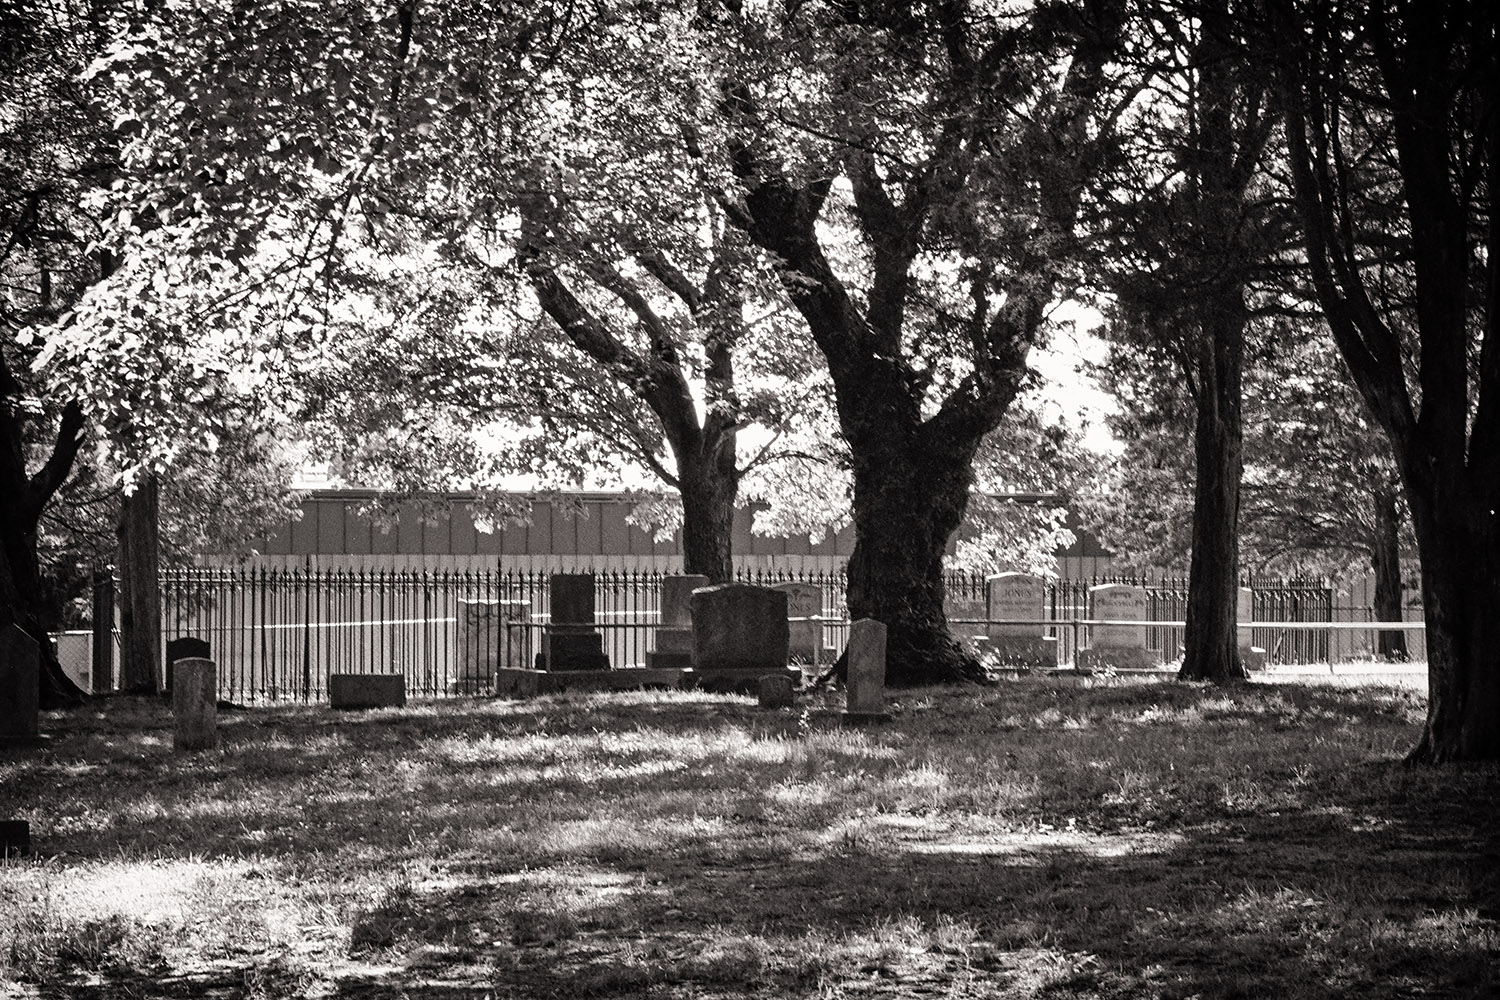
20	678
570	641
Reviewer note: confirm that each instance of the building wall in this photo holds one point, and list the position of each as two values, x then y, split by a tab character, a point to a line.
585	531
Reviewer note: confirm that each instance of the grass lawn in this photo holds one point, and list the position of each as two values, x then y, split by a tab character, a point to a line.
1030	840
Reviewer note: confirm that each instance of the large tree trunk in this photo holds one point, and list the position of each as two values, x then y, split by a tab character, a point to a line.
907	505
1459	544
140	592
1211	644
1385	560
708	497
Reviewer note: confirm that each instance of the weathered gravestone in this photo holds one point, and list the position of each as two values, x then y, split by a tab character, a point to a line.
20	679
185	648
739	634
360	691
1014	601
804	639
492	635
570	641
1252	656
776	691
1120	645
866	681
674	636
195	704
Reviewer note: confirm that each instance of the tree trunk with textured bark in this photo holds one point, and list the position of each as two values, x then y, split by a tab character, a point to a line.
140	592
1211	644
1385	561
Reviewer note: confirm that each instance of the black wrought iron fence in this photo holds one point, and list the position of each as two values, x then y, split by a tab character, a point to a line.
277	633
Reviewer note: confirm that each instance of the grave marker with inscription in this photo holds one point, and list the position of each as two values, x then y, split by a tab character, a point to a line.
803	600
1119	645
1015	599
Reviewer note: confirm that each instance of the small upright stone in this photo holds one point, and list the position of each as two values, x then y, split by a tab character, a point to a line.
866	671
184	648
195	704
20	677
776	691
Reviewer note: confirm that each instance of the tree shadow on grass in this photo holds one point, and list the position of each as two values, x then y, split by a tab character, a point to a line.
1368	889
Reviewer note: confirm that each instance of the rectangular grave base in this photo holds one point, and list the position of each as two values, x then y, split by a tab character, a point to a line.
854	719
1254	658
359	691
1117	658
665	659
512	682
1037	651
736	680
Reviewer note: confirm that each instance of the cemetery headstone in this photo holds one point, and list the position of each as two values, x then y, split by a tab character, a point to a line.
776	691
492	635
15	838
1014	600
804	639
1119	645
677	597
20	679
359	691
195	701
570	641
866	681
739	634
673	638
183	648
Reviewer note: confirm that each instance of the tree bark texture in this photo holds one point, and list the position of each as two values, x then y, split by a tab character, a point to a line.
23	498
140	592
1211	644
1432	72
1385	561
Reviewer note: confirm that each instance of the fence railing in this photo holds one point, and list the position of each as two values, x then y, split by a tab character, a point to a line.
277	634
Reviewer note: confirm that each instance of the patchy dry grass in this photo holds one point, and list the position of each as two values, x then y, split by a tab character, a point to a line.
1031	840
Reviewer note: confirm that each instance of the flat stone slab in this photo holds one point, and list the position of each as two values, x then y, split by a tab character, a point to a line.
744	680
357	691
516	683
1117	658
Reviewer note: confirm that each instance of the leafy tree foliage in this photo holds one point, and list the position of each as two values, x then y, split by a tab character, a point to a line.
948	147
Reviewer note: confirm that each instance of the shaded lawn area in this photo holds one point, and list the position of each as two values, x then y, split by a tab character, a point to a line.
1030	840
